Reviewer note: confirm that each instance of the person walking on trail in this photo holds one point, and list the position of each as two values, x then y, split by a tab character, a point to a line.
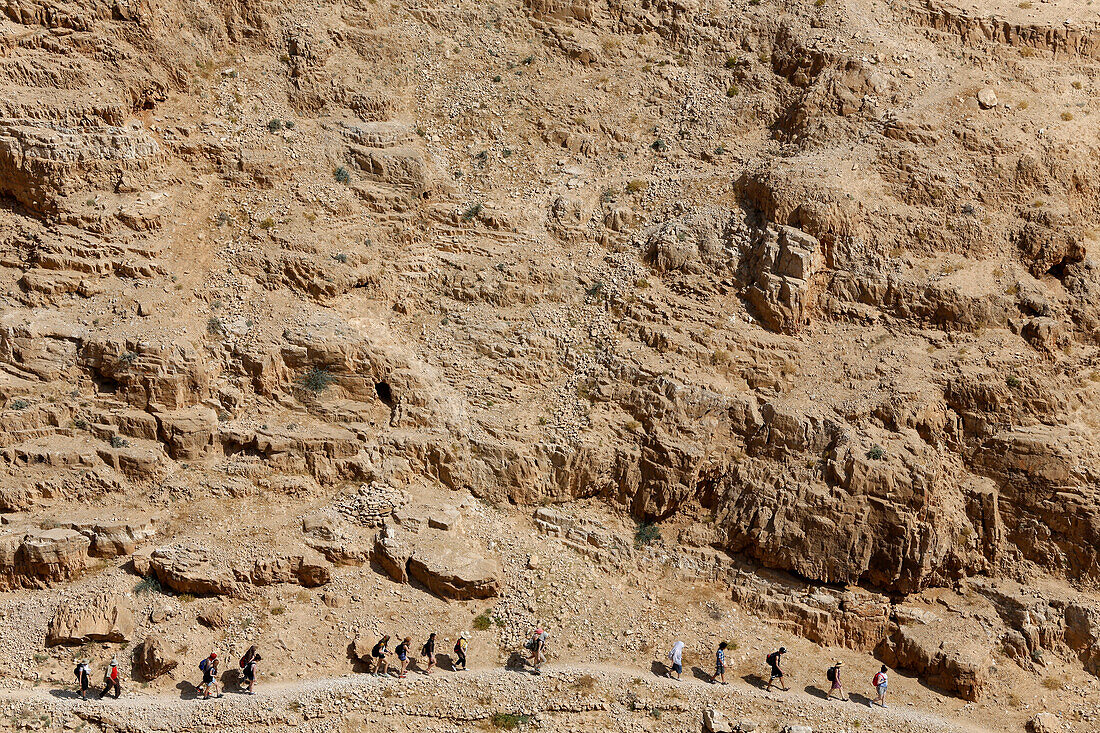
537	647
775	659
460	651
402	652
83	678
719	676
209	667
111	680
428	650
250	672
833	676
676	657
248	655
879	682
378	654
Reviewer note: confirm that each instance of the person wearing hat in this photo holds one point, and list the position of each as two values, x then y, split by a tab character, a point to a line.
111	680
209	667
460	651
83	678
775	659
833	675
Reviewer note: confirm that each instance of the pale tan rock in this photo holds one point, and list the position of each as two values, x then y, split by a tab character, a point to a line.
153	659
99	619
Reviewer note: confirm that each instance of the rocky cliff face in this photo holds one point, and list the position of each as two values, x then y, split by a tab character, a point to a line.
782	275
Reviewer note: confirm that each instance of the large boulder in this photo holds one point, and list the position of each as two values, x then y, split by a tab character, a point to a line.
451	567
83	620
190	571
41	558
308	569
152	658
940	655
392	555
444	561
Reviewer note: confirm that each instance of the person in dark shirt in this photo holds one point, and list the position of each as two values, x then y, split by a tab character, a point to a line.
402	652
378	654
775	659
250	672
428	650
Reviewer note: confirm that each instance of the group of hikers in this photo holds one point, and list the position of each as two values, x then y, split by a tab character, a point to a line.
379	665
777	678
536	646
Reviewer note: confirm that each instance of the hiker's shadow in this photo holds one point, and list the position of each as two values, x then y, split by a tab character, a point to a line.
516	662
357	664
444	661
188	691
700	674
660	669
817	692
859	699
756	681
70	694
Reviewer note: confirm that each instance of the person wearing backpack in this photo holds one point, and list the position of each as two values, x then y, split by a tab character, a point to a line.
879	682
378	654
249	671
428	650
111	680
832	674
243	664
209	667
83	679
775	659
537	647
719	676
402	652
460	652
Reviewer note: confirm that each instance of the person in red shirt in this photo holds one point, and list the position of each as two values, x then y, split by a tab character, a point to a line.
111	681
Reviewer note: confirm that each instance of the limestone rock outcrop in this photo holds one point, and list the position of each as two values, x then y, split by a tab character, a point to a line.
152	658
42	558
114	539
82	620
191	571
959	665
445	562
41	162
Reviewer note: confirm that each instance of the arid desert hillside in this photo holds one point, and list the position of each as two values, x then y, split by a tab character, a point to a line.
769	322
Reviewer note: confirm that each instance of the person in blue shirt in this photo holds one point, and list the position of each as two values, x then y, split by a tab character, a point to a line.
719	676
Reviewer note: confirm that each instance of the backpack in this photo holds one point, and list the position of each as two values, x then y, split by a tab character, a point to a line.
458	646
424	651
878	679
530	645
203	664
830	674
77	671
771	659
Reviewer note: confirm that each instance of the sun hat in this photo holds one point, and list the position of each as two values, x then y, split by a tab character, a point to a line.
464	635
